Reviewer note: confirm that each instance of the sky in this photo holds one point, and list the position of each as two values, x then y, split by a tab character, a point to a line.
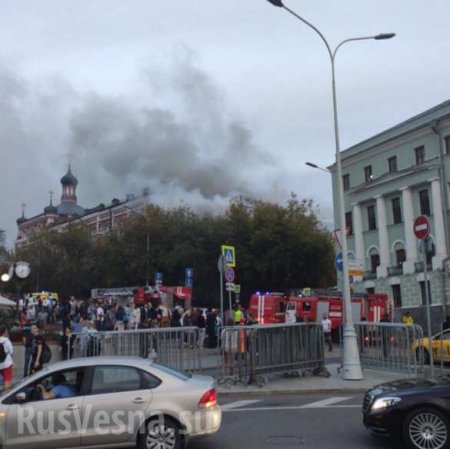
202	100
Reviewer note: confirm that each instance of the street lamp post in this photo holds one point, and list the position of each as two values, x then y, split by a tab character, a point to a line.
351	365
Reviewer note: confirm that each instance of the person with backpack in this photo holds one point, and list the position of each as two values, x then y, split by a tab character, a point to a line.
6	361
41	351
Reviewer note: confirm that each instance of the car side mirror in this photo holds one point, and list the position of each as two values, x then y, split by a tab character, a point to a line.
20	397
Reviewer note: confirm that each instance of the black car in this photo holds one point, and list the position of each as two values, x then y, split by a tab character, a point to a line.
417	410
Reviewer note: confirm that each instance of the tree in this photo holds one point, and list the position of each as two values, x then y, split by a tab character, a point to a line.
278	247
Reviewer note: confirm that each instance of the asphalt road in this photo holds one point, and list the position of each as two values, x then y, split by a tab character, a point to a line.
315	421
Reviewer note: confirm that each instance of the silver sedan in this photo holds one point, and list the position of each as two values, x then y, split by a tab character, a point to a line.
108	402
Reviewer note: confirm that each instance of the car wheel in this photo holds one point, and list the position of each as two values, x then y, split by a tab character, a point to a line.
426	428
160	433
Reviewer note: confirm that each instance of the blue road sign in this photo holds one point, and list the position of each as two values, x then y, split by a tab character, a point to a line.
188	282
229	255
338	262
189	273
229	274
158	278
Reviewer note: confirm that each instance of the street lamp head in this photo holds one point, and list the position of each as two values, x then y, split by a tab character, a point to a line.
382	36
310	164
276	3
5	277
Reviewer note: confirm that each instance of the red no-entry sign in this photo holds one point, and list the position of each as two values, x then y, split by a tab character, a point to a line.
421	227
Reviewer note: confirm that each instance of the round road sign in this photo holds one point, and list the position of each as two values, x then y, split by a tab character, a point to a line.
421	227
339	262
229	274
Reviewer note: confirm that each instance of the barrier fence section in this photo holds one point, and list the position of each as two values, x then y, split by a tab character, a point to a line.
391	346
177	348
247	353
441	352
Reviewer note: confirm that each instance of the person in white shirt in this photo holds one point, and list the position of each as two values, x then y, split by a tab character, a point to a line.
135	317
100	313
326	326
165	315
6	365
31	313
290	315
99	318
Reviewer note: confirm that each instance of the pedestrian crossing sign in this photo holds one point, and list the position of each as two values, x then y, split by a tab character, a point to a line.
229	255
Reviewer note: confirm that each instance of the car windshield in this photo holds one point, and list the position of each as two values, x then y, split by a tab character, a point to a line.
178	374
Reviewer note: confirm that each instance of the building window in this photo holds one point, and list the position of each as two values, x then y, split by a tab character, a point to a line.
374	262
400	255
424	203
368	173
392	163
396	211
397	295
370	290
447	144
371	220
349	223
422	292
420	155
346	182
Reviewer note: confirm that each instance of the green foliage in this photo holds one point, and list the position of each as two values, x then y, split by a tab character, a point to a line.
278	248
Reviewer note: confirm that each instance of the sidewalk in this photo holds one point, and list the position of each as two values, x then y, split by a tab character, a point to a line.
279	384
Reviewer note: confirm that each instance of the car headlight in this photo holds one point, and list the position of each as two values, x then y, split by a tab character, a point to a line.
383	403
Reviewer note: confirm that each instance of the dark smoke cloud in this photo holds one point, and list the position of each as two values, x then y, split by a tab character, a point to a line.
172	133
195	146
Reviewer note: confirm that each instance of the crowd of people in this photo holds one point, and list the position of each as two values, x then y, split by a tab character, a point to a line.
75	318
109	315
83	316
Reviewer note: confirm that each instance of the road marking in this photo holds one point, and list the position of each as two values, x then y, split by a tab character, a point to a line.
326	402
237	404
292	407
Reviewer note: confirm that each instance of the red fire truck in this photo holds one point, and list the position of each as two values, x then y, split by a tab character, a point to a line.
274	307
268	308
182	294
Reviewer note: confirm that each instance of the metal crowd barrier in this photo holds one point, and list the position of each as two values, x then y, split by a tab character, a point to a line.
248	353
441	352
391	346
177	348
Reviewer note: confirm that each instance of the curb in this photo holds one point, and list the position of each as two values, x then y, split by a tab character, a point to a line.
262	392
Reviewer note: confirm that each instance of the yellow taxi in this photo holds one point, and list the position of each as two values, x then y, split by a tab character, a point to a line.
440	344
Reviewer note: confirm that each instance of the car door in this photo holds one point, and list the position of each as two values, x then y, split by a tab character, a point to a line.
119	399
46	423
441	346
